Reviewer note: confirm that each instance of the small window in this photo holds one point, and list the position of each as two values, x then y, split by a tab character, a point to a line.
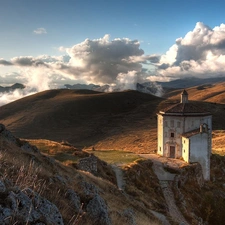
172	134
178	124
172	123
160	149
184	141
184	150
166	124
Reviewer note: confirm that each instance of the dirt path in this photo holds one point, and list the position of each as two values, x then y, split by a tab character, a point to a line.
170	201
161	217
119	177
164	178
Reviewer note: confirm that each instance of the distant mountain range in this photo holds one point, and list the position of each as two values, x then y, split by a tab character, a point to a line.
190	82
11	88
149	88
155	88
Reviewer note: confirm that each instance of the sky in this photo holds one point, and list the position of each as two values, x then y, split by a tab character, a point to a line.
48	43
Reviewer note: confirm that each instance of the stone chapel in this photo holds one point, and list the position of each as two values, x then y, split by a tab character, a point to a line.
185	131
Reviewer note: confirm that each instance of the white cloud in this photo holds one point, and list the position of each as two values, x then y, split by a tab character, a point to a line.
127	80
101	60
40	30
120	62
117	63
35	80
200	53
98	61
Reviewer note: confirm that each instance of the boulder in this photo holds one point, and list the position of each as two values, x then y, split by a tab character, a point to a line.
74	199
98	211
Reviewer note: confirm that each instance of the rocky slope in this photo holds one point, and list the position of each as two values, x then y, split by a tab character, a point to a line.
36	189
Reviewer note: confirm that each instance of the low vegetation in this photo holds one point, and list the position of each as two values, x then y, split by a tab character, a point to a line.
116	156
61	151
115	124
218	142
86	118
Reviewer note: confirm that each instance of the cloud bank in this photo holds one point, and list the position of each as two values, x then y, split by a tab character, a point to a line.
201	53
121	62
99	61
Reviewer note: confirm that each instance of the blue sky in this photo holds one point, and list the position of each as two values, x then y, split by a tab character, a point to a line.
48	43
155	23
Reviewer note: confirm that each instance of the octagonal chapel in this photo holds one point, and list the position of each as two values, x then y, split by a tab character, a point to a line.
185	132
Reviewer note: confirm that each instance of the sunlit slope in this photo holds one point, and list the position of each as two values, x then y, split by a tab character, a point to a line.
121	120
207	92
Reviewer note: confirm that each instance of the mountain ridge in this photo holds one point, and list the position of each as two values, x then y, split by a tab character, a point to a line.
83	117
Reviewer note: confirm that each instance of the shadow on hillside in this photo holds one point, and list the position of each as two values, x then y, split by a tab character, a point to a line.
115	120
123	120
204	86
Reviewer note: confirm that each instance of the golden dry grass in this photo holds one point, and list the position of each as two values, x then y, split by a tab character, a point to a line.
218	142
63	152
210	93
105	120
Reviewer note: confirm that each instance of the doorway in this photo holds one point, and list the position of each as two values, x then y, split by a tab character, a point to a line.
172	151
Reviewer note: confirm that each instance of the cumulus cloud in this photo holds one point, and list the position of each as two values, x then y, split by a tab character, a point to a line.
127	80
28	61
121	62
35	80
40	30
199	53
5	63
101	60
97	61
117	63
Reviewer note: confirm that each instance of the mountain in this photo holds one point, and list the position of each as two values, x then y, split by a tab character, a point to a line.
118	120
212	92
90	189
148	87
156	88
86	118
190	82
82	86
12	88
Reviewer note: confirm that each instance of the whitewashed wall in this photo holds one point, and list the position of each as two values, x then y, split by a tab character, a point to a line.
200	153
185	149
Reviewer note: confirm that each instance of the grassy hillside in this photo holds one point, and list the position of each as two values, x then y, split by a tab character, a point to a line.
107	121
121	120
207	92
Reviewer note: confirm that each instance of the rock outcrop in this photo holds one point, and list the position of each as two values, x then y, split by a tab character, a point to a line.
98	211
8	136
26	207
88	164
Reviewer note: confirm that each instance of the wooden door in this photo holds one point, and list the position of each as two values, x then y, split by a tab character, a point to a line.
172	151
